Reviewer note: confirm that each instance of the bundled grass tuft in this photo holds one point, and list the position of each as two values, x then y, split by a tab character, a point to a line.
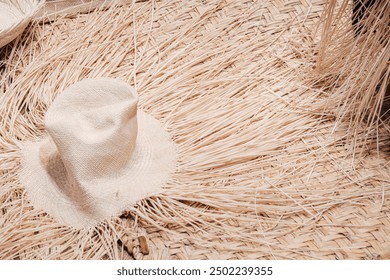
353	65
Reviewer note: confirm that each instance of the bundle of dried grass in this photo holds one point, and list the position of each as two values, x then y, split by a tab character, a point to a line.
353	65
260	175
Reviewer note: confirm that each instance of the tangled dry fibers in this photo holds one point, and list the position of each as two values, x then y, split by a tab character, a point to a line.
262	115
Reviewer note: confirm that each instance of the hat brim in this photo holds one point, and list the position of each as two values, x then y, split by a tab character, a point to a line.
149	169
23	12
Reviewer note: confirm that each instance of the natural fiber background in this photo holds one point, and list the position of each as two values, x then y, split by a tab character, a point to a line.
264	171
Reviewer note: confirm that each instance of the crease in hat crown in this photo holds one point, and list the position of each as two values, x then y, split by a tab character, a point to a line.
100	155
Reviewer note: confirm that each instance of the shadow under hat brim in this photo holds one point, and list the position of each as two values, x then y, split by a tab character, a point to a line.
49	188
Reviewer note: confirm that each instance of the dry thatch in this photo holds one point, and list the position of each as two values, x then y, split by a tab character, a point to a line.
265	169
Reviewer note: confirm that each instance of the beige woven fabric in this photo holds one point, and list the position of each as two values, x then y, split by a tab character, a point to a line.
101	157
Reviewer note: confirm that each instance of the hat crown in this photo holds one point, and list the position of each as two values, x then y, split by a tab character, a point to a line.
94	127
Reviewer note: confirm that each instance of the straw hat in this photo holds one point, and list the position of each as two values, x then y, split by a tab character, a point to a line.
101	156
15	15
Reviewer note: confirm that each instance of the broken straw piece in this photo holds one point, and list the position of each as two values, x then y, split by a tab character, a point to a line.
55	8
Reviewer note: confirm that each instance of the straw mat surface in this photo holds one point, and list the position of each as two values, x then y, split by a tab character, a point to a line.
262	173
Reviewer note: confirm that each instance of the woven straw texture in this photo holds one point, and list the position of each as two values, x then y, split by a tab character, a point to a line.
263	172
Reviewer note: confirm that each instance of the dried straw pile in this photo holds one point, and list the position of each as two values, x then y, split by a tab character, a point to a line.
264	171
